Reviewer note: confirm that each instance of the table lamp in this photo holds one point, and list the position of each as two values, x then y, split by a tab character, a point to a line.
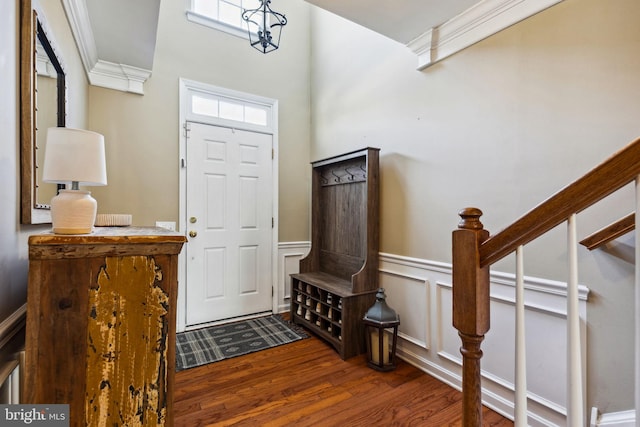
74	156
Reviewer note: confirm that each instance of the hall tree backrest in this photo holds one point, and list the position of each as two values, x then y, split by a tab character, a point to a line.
338	279
345	232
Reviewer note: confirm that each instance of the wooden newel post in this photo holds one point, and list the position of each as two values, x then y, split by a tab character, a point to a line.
470	308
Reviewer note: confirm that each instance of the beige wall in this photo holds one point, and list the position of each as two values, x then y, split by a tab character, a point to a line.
13	235
500	126
142	132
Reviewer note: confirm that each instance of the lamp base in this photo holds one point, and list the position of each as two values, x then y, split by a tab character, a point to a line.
73	212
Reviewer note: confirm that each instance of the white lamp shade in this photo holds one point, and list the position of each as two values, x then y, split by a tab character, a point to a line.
74	155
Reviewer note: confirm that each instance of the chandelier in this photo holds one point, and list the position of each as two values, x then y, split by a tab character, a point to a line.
264	26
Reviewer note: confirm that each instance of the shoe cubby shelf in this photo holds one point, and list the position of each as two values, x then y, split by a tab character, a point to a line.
319	307
333	314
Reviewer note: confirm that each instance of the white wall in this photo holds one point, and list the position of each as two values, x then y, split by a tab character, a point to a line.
501	126
13	264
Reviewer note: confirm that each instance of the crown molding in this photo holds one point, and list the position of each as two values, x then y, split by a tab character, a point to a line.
482	20
120	77
78	17
44	67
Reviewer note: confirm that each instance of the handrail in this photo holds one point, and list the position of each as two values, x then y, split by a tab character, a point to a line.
474	251
610	232
614	173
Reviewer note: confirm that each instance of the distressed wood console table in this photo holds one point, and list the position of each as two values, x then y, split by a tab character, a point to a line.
101	312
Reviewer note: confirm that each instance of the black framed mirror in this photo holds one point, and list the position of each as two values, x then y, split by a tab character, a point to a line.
43	101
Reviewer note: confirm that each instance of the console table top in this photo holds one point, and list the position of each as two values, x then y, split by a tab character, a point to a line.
105	240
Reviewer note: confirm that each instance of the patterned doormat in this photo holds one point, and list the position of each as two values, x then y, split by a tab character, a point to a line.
215	343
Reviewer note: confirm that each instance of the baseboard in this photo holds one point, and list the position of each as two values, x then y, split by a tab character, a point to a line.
617	419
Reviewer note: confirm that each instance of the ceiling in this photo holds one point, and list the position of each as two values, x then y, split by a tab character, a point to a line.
125	31
400	20
117	38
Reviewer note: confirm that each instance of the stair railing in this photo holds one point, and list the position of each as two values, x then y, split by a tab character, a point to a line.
611	232
474	251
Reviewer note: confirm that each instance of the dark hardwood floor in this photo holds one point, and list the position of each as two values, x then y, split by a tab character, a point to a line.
306	384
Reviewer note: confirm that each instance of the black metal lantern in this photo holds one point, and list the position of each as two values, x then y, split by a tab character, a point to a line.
381	329
265	27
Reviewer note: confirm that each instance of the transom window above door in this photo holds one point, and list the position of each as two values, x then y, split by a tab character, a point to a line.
228	109
224	107
223	15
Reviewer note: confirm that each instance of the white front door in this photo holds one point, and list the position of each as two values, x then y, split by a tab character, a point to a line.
229	221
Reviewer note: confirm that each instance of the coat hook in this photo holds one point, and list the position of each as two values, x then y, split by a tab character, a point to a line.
351	176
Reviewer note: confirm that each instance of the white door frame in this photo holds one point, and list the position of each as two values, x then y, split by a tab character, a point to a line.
187	87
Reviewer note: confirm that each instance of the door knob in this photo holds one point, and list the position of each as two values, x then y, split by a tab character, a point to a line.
193	233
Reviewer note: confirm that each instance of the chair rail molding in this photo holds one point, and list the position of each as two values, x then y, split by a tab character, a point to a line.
482	20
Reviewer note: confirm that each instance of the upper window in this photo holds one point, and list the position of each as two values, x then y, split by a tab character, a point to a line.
223	15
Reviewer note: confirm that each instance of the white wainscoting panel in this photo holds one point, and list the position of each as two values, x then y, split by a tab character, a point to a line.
431	313
420	291
407	287
289	256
